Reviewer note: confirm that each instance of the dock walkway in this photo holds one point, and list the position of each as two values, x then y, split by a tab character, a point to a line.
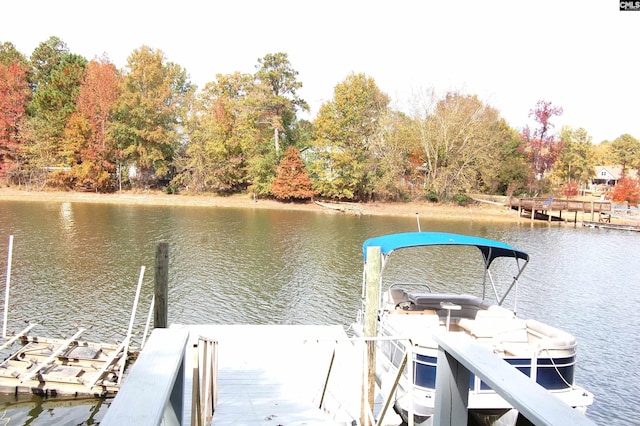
270	375
247	375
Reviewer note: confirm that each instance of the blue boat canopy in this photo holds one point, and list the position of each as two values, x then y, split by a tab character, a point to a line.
490	249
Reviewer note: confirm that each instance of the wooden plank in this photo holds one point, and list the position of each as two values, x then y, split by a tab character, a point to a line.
17	336
107	363
63	373
372	304
55	353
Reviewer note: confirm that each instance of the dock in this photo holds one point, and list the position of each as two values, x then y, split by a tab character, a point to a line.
67	367
294	375
544	208
274	374
248	375
609	225
62	367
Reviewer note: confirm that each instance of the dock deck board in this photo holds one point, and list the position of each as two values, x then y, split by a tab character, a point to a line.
268	375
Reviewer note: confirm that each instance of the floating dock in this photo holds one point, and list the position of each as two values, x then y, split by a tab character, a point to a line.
609	225
62	367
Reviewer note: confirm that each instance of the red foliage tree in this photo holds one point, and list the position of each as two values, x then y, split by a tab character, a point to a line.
627	190
96	155
570	189
292	181
540	144
14	95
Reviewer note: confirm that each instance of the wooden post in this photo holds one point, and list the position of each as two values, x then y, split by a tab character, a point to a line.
161	286
533	208
372	302
6	290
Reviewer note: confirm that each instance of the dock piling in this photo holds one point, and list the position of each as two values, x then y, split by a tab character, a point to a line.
161	286
373	269
8	285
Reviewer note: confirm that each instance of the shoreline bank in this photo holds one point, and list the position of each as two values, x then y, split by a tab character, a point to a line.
476	212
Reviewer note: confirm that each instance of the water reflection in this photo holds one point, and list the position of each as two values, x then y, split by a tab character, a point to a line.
76	263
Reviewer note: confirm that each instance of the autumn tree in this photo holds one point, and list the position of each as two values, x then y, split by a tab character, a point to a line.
575	160
394	160
292	181
220	131
627	190
276	104
58	74
602	154
277	94
10	55
87	129
45	57
540	143
344	130
149	114
625	151
14	97
460	137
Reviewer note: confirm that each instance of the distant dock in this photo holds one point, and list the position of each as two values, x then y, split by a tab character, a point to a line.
552	209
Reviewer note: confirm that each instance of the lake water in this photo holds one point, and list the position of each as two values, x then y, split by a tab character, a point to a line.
78	264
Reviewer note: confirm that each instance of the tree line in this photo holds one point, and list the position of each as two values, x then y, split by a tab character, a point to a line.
70	123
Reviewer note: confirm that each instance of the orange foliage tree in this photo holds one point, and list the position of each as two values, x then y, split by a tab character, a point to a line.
292	181
88	127
626	190
570	189
14	95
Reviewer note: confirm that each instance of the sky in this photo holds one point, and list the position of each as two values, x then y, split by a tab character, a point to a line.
578	55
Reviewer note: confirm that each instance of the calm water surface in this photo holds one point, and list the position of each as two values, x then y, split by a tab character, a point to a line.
78	264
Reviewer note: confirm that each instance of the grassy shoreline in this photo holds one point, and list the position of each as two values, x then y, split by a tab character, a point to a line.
477	212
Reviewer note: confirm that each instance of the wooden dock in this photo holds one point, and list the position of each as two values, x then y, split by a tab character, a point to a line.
544	208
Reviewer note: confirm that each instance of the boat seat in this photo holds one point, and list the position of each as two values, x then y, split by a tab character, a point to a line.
543	339
550	337
396	295
497	323
469	305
